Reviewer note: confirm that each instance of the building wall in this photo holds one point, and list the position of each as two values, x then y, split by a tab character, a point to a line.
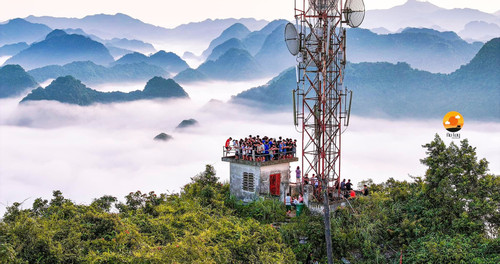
266	171
261	180
236	171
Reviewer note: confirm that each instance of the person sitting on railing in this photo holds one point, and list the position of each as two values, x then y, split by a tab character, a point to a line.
228	142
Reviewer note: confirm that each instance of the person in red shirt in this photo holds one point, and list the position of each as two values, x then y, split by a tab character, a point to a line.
228	142
352	194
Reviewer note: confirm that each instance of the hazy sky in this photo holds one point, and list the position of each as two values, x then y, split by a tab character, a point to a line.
169	13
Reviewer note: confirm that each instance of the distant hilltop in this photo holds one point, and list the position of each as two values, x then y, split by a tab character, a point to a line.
14	81
72	91
60	48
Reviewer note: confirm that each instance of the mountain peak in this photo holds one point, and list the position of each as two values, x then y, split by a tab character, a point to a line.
448	35
67	89
420	3
56	33
18	21
415	6
236	28
485	63
161	87
14	80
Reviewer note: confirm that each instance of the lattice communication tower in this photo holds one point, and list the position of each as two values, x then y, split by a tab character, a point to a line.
318	39
321	103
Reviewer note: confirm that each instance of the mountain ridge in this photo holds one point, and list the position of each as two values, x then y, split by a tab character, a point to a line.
92	73
60	48
69	90
381	88
169	61
424	14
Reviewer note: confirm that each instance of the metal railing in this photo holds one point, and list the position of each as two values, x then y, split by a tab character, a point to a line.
251	154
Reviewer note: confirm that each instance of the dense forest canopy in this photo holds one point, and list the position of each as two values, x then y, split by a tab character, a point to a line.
449	215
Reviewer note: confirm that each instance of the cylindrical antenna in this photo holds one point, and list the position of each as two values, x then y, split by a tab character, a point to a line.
349	111
294	108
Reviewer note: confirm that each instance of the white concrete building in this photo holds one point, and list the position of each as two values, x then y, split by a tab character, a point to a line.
251	179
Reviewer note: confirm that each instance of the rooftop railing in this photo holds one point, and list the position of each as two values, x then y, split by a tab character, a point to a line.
258	156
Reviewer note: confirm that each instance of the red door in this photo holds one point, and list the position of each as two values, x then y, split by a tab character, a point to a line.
274	184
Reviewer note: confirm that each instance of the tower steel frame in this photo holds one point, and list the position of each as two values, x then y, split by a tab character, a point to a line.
321	97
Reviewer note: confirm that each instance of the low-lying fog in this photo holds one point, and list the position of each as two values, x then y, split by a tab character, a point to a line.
3	59
87	152
199	93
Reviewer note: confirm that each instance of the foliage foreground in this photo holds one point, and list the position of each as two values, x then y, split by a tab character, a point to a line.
451	215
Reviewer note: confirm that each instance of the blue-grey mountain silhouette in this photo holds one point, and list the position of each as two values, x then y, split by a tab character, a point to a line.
232	43
187	123
12	49
14	80
92	73
19	30
123	26
235	64
69	90
254	41
190	75
480	30
132	44
381	88
419	14
167	60
274	55
60	48
238	31
424	49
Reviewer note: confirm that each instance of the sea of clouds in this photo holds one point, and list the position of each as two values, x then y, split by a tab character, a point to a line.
108	149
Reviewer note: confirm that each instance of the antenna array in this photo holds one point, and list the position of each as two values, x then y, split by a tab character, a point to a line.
318	39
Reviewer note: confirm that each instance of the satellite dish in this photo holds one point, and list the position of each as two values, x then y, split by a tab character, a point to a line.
292	39
354	12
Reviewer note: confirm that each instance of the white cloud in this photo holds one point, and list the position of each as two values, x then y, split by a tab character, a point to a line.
87	152
447	122
457	117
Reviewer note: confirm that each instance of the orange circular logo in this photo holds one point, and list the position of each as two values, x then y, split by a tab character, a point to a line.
453	121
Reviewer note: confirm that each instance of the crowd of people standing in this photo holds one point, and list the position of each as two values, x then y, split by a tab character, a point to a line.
346	188
261	149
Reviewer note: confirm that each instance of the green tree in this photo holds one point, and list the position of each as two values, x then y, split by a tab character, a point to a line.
460	196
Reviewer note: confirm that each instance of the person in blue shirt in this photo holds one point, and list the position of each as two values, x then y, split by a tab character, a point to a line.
266	150
282	149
